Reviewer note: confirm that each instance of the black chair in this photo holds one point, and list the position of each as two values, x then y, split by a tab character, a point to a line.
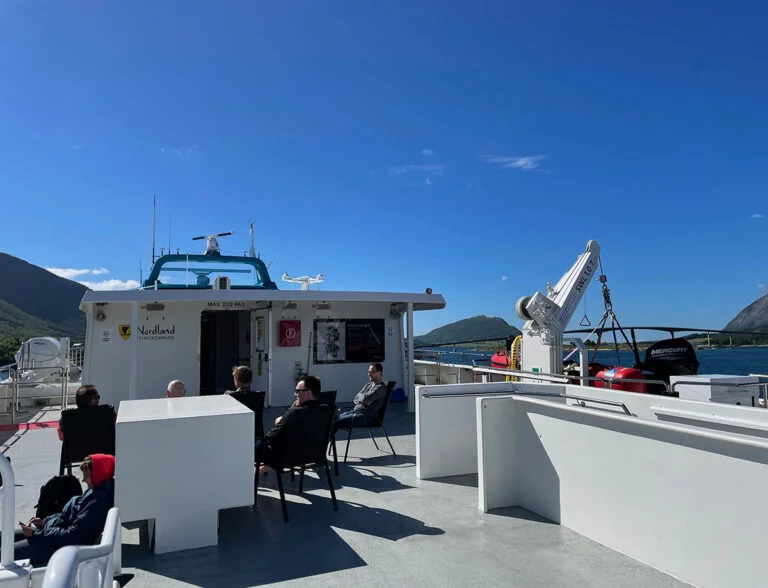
380	414
255	401
329	399
86	430
305	445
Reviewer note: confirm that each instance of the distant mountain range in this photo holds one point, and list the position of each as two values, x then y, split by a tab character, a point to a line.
34	302
478	328
753	318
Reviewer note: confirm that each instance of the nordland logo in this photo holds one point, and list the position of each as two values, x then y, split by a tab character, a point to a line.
125	331
156	333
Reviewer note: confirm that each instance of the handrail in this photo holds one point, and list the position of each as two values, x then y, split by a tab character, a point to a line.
64	568
554	378
9	509
17	385
543	394
716	384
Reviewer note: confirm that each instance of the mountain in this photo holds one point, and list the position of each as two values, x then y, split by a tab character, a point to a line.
478	328
35	302
753	318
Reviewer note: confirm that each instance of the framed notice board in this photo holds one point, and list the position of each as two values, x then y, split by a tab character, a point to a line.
348	340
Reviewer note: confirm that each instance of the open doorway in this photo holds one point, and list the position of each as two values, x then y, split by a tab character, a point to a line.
224	343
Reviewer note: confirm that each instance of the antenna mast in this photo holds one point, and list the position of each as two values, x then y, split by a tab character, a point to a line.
252	251
154	213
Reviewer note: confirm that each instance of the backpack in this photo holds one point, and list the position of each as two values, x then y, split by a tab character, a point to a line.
55	493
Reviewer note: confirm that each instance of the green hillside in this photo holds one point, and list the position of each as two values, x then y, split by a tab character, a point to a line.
38	293
478	328
36	303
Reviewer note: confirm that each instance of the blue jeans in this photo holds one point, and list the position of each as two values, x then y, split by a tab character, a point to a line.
350	419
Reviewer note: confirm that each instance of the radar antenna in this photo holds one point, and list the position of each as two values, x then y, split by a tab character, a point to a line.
305	281
212	245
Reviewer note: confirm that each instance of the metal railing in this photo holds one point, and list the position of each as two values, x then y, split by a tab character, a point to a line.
36	389
88	566
77	355
667	389
762	387
551	378
9	510
581	400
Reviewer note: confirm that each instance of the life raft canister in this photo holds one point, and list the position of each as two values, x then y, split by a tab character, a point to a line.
617	374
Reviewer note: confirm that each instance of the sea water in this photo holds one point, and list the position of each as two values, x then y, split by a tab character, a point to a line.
736	361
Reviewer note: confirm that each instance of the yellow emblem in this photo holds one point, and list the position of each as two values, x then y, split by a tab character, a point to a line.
125	332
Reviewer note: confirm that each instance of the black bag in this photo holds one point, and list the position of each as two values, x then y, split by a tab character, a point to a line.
55	493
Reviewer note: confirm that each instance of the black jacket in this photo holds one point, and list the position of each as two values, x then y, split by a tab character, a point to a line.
277	435
81	522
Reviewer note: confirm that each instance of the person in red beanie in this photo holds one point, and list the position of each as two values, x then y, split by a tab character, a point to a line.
82	520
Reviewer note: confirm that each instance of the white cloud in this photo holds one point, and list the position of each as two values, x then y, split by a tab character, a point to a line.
183	152
758	216
428	152
474	186
71	274
434	169
427	181
525	163
761	286
112	285
504	278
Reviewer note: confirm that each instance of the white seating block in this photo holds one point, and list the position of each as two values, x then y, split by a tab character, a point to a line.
179	461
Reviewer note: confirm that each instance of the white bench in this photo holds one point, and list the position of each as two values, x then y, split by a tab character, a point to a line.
85	566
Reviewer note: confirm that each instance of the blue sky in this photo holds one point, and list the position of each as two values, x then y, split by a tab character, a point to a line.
470	147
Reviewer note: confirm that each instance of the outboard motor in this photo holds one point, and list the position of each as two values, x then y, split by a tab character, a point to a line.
671	357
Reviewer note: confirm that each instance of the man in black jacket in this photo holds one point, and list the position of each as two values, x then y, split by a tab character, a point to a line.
270	450
242	377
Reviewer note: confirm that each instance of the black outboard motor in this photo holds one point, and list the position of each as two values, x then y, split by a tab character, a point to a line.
671	357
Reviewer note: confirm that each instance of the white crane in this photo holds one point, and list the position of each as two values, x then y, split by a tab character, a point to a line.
305	281
547	316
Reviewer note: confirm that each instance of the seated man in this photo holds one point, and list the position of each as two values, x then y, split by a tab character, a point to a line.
82	520
269	451
84	397
175	389
367	402
243	376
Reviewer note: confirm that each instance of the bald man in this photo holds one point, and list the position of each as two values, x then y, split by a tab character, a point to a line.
175	389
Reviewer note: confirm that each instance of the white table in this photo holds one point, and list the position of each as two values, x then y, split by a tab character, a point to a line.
179	461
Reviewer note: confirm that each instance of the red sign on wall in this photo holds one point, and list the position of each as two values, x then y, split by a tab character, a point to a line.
290	333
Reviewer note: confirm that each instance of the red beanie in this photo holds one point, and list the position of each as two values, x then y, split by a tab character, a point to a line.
103	468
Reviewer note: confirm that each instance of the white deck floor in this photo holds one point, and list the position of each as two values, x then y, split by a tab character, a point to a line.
392	529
